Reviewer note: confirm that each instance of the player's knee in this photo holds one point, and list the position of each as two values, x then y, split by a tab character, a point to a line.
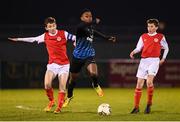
139	85
93	74
62	89
149	84
47	86
74	76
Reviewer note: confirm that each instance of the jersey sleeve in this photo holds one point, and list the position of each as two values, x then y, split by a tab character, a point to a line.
97	33
139	45
164	46
69	36
38	39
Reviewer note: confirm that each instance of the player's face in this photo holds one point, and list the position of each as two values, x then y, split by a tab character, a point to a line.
151	28
51	28
87	17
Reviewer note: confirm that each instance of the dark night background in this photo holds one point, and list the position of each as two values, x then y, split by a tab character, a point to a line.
111	12
125	19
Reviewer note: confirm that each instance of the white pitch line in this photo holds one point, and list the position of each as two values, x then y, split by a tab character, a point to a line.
24	107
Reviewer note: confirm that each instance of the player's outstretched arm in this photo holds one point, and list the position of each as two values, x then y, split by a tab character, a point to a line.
38	39
13	39
110	38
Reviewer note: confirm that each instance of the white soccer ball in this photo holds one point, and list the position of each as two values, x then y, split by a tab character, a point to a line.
104	109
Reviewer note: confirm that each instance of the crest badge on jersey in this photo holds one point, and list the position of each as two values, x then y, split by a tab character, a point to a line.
156	39
58	38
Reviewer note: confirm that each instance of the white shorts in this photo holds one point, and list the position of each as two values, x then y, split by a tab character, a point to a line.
147	66
58	69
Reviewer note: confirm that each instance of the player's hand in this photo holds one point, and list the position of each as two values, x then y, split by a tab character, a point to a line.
13	39
97	20
132	55
161	61
112	38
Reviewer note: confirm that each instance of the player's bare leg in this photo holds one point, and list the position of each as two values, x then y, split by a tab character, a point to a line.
93	72
72	83
62	90
150	90
137	95
49	77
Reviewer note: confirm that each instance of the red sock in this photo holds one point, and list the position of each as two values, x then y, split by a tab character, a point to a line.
137	97
150	94
49	93
61	96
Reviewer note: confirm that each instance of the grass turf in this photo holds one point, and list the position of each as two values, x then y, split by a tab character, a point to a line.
28	104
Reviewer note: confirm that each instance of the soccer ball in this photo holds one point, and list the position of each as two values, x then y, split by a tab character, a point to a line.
104	109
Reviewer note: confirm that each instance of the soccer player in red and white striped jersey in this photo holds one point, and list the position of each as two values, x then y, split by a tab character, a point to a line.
150	45
58	64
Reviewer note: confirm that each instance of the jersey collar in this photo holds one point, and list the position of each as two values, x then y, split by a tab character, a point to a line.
152	34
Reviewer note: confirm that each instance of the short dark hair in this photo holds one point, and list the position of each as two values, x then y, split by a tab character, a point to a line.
49	20
153	21
84	10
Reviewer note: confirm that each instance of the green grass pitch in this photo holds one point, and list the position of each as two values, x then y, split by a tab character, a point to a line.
28	104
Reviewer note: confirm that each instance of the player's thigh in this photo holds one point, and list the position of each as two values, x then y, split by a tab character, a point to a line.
76	65
153	67
63	78
63	81
92	69
92	66
140	82
142	69
63	73
49	76
73	76
150	79
51	72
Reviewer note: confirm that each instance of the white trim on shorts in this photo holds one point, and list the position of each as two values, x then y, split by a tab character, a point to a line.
58	69
148	66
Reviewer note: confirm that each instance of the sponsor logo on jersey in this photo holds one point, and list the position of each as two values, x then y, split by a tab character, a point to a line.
156	40
58	38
